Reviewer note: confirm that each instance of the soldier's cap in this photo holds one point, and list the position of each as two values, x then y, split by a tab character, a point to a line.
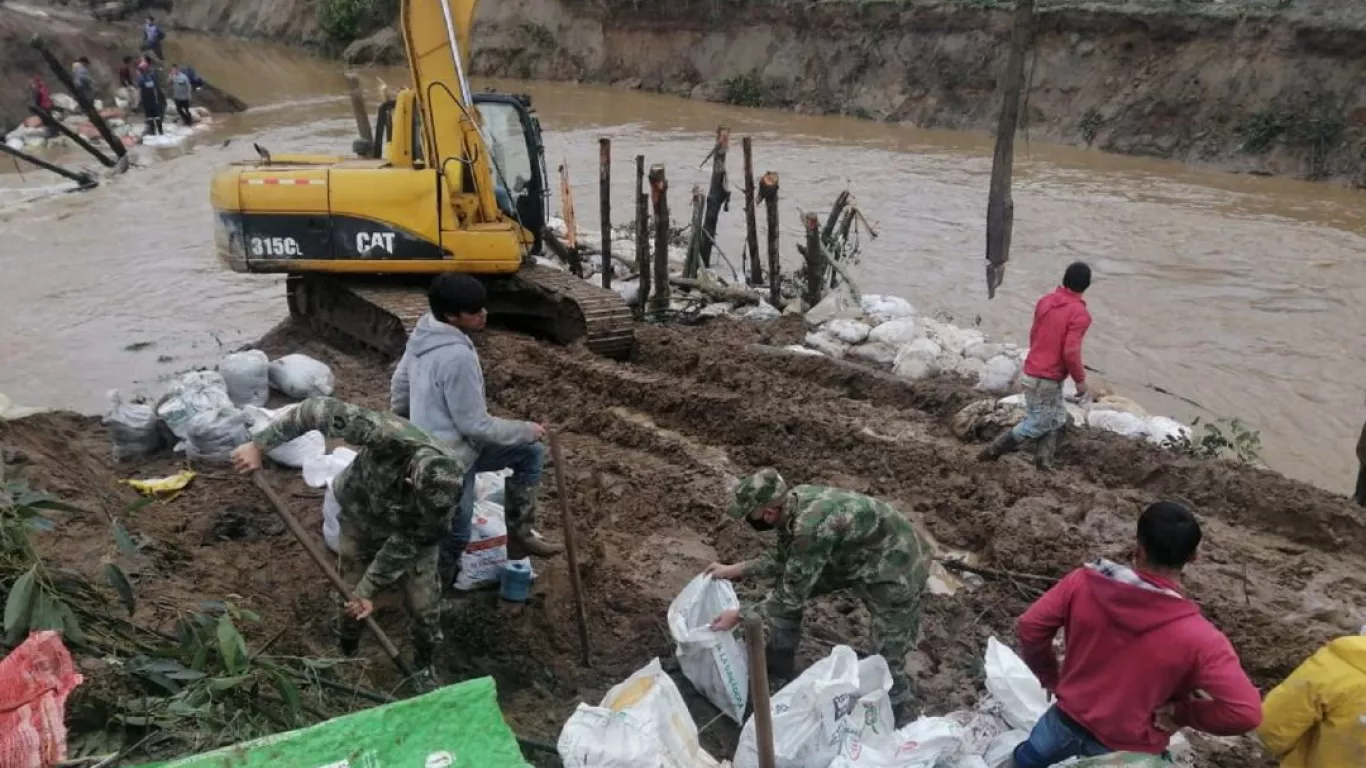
756	492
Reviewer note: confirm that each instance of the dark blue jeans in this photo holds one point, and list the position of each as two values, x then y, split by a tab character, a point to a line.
525	461
1054	739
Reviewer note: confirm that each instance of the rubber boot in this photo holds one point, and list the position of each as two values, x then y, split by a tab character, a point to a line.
903	712
424	679
781	664
519	504
1003	444
1044	450
449	564
348	637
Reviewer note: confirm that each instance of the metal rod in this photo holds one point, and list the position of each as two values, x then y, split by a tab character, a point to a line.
570	548
758	692
466	97
321	560
83	179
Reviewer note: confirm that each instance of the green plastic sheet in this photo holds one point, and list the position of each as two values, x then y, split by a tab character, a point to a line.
459	726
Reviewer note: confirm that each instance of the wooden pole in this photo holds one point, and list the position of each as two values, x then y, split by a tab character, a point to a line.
841	202
768	192
65	77
756	271
758	692
815	262
1000	205
659	195
642	233
325	565
693	263
605	204
52	122
571	228
570	547
83	179
719	194
362	116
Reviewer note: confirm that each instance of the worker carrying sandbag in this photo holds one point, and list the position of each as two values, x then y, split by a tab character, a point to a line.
1141	661
439	384
831	539
397	499
1061	320
1316	718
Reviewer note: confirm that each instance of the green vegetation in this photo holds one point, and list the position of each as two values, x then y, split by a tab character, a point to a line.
1225	438
1317	125
345	21
747	90
1090	125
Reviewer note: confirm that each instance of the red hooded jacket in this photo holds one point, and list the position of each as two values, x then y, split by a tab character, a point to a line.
1060	323
1133	645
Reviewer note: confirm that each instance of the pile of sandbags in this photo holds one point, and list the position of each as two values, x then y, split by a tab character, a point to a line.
983	419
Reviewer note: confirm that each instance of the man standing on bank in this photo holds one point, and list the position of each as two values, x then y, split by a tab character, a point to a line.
439	385
831	539
1060	323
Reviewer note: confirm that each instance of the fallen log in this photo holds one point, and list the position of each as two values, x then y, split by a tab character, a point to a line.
52	122
85	180
717	292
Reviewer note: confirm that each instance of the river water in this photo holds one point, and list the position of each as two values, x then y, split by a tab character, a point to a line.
1237	293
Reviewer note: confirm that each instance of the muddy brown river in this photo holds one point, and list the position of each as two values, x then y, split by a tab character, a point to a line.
1238	293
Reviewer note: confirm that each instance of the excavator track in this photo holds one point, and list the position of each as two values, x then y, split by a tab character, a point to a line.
544	301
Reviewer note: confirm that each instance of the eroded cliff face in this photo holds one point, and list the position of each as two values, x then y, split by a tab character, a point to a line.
288	21
1268	95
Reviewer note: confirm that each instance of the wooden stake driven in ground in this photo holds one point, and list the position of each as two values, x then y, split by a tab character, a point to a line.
659	196
756	271
1000	205
719	194
324	563
693	263
362	117
605	207
768	193
758	692
571	550
571	228
642	233
815	260
94	114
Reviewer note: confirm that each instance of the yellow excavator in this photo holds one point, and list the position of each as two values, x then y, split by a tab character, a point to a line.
455	181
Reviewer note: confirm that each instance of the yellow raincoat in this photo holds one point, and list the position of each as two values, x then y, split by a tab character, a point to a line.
1317	717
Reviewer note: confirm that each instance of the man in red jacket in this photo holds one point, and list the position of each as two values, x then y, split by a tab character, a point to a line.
1141	661
1060	323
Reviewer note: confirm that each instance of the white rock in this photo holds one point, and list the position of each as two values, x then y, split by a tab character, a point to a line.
799	349
880	309
761	311
874	352
896	333
826	344
714	310
998	374
835	305
847	331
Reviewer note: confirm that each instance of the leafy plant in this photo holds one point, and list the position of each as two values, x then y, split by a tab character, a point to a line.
747	90
345	21
1090	125
1223	438
1260	131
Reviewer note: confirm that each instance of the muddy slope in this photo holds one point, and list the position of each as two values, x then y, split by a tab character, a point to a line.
1239	85
649	449
70	36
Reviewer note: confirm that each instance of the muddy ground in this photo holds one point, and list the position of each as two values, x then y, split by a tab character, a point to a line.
649	448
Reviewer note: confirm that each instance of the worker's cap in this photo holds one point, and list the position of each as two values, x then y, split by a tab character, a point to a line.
756	492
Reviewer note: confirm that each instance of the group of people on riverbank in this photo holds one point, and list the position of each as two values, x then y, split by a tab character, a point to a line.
1141	660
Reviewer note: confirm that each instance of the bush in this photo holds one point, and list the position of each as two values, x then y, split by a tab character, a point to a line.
345	21
1226	437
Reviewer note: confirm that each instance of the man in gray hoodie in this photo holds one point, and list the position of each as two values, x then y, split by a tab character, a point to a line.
439	386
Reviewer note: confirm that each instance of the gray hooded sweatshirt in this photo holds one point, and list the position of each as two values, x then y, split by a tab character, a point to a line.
439	386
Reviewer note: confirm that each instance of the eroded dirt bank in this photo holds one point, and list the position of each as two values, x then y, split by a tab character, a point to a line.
649	449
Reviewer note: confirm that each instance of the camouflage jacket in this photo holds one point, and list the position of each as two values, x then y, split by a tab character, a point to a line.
835	539
403	486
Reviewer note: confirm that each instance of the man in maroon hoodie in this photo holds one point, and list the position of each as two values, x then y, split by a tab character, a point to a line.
1060	323
1141	661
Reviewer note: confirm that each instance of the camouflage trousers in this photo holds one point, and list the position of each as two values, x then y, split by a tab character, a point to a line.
421	588
894	624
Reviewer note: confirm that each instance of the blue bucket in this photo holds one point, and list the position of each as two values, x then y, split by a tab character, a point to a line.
515	582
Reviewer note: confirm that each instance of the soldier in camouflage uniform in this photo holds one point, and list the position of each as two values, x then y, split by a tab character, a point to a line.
397	499
830	539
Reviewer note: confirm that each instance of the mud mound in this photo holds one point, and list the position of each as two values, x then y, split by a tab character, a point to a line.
650	449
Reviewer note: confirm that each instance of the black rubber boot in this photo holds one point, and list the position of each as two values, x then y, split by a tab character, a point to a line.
1004	443
782	665
1044	450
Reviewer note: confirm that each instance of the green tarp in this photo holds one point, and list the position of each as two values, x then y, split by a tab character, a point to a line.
459	726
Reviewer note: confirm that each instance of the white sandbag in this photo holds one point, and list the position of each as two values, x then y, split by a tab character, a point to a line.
970	761
968	367
481	565
642	722
896	333
191	394
873	352
761	311
212	435
917	360
927	740
132	428
846	330
984	350
320	470
835	305
331	520
950	337
1009	680
715	309
300	376
1121	760
836	703
247	376
882	309
1119	422
714	662
998	375
799	349
1003	747
826	345
488	486
1164	431
295	453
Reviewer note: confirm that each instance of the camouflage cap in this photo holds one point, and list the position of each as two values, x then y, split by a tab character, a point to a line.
755	492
